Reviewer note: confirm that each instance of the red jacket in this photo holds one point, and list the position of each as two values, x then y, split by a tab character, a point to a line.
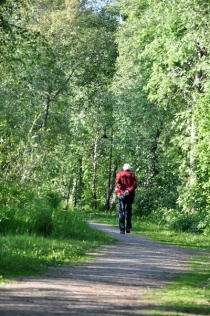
126	180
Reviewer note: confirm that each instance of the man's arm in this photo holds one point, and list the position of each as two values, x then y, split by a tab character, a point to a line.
118	182
133	186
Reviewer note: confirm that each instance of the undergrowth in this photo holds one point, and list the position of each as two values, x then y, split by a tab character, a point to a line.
71	241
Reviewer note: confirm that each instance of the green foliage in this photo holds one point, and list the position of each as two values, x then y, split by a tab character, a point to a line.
68	70
68	224
145	200
29	255
57	60
162	88
186	222
27	211
195	223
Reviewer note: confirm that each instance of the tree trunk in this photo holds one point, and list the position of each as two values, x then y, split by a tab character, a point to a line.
46	110
68	192
94	193
152	168
192	151
80	179
111	188
192	173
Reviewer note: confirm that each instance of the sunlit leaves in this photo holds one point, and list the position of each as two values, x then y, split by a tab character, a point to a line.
163	64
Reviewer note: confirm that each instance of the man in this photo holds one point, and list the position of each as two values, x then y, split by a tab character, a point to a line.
126	186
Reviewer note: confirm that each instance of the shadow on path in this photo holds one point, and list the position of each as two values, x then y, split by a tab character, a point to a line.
114	284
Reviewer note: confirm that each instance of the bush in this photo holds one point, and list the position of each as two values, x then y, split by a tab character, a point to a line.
54	199
145	201
198	222
154	196
29	212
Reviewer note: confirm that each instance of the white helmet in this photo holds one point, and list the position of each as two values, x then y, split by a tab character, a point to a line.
126	166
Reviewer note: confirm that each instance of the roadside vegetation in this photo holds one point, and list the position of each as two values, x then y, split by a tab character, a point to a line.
70	242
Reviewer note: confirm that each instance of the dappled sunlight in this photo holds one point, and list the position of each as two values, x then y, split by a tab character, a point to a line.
116	283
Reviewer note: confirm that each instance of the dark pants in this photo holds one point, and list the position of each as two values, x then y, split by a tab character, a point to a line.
125	211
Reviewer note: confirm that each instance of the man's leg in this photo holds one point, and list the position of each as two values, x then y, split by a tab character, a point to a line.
128	213
121	214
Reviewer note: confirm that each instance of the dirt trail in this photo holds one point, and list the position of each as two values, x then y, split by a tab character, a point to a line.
114	284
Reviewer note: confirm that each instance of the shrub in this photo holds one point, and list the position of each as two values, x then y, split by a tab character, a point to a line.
177	220
29	212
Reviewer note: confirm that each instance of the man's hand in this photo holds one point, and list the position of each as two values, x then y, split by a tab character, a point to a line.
126	192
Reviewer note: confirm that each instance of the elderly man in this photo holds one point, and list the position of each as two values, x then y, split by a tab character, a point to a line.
126	186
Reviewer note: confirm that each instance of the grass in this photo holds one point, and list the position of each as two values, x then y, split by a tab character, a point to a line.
163	235
24	255
189	293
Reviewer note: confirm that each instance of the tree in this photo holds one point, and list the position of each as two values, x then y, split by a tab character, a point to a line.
63	60
162	74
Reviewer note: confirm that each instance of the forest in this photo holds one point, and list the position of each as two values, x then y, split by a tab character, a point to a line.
86	86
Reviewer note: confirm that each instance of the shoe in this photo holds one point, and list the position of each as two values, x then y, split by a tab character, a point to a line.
128	230
122	232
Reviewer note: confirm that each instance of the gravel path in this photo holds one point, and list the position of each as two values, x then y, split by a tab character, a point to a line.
114	284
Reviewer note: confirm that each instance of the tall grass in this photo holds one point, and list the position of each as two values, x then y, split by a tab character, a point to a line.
70	241
27	211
